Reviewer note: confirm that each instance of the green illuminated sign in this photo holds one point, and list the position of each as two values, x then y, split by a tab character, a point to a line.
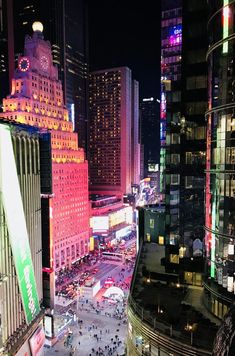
225	25
16	224
213	241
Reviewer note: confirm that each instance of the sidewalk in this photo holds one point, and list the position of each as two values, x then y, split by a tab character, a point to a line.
94	332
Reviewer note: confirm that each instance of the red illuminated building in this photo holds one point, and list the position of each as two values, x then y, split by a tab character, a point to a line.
114	150
37	99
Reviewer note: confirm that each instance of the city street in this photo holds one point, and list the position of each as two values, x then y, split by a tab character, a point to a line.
98	324
105	327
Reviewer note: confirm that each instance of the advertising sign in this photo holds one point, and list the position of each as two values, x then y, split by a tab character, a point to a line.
123	232
37	341
24	350
48	325
92	243
16	224
100	223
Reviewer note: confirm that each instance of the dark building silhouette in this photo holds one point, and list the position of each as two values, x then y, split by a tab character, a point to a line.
150	130
166	308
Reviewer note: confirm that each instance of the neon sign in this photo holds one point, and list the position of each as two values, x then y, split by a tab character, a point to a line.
225	25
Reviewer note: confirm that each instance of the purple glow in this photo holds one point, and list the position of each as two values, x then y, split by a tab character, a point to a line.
175	40
175	35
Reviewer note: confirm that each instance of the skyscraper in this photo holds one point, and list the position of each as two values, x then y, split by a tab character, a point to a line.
150	131
135	135
171	48
112	117
167	316
220	163
36	99
183	134
65	26
21	291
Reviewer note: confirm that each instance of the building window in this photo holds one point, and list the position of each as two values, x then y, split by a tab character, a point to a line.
188	182
175	158
151	223
175	179
175	138
161	240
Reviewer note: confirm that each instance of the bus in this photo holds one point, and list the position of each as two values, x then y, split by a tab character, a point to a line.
113	256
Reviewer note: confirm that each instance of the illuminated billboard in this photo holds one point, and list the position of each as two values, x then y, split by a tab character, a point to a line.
48	325
175	35
123	232
16	225
92	243
153	167
120	216
37	341
100	223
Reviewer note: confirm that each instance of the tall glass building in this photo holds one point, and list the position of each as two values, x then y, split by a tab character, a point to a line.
220	165
183	134
171	48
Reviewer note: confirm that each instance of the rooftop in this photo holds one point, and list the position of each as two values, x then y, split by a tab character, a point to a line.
170	308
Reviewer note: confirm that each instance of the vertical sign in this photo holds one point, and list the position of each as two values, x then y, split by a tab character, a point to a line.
225	24
16	224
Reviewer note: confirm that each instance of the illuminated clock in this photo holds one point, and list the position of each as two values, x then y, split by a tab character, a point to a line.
24	64
44	62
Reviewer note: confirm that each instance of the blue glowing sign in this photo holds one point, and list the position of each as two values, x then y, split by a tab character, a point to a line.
175	35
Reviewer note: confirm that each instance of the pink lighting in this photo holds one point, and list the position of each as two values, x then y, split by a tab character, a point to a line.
24	64
37	100
175	37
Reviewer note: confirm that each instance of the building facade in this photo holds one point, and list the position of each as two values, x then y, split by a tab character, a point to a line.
220	164
21	290
110	139
36	99
176	321
165	317
171	50
135	136
110	221
183	134
150	130
66	28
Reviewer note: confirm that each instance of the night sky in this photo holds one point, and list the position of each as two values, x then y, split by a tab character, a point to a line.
127	33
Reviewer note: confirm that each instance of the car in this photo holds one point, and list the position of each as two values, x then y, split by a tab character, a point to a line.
95	270
109	282
69	312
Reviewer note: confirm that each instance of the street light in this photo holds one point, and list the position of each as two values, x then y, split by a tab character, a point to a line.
191	328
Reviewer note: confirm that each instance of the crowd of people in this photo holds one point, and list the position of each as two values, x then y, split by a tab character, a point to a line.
113	347
67	283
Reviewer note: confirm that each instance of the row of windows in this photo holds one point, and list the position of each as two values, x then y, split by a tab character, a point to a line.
196	82
222	155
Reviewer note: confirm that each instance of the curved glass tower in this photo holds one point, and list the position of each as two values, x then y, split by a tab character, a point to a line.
220	167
